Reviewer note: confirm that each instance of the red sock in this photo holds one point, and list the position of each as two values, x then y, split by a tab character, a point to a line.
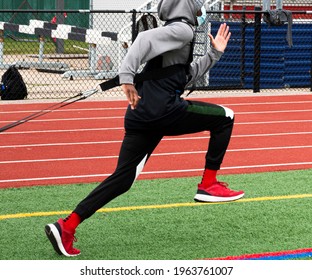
209	177
72	221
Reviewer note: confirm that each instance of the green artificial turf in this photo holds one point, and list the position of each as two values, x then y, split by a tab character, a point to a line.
187	231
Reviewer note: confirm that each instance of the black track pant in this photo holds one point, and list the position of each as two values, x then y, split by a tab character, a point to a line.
138	145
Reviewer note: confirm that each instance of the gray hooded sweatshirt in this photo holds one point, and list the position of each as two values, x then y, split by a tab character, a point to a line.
173	43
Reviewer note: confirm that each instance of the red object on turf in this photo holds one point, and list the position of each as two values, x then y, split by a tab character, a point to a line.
62	239
72	221
217	192
209	177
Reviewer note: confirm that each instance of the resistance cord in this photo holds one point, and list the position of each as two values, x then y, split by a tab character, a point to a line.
66	102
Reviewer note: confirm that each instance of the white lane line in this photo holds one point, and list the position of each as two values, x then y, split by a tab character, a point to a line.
69	119
124	107
60	144
178	138
153	155
164	139
273	112
66	110
64	130
122	128
101	176
122	116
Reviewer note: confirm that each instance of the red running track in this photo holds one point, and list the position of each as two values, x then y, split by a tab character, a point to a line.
80	143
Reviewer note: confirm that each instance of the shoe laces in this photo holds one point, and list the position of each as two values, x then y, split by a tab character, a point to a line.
67	218
223	184
75	239
69	237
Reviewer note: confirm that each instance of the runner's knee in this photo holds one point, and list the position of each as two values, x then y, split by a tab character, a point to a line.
229	112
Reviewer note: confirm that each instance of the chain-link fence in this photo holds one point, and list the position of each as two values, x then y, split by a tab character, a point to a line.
60	53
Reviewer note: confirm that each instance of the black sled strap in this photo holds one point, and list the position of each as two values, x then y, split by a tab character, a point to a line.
156	74
114	82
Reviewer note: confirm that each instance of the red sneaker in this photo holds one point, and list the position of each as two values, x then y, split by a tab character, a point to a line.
61	239
217	192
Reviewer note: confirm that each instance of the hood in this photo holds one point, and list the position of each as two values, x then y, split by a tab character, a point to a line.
171	9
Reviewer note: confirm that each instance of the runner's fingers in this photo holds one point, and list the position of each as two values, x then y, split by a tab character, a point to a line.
226	31
133	98
228	37
221	29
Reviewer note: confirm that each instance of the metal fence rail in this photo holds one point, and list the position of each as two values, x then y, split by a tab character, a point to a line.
57	60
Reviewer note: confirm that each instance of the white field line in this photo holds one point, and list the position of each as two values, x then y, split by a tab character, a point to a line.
123	108
122	128
101	176
122	116
153	155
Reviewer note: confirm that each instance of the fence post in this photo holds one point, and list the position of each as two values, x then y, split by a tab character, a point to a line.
1	47
133	25
311	69
60	20
243	48
257	51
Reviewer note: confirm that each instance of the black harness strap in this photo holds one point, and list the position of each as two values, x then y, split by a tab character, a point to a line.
156	74
114	82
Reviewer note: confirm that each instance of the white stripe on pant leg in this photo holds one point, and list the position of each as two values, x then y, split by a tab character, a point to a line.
228	112
140	167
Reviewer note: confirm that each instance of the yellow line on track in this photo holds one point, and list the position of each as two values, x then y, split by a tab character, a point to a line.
161	206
